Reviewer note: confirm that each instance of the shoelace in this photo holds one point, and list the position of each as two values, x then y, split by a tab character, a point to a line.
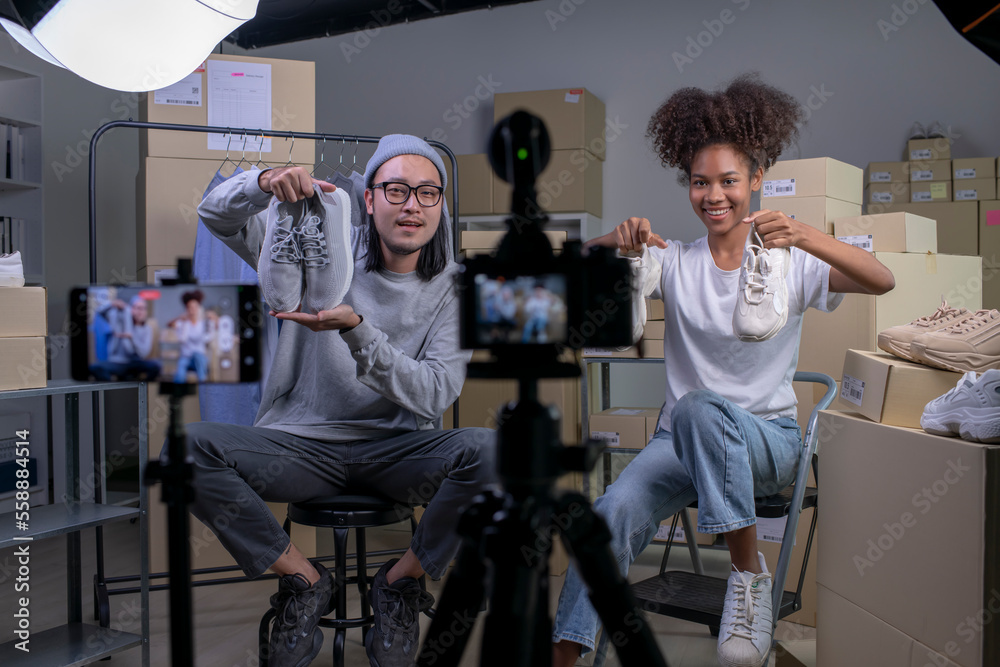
745	593
284	249
312	243
292	607
978	319
408	603
944	312
757	268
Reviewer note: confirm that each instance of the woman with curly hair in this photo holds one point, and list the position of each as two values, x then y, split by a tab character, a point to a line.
733	303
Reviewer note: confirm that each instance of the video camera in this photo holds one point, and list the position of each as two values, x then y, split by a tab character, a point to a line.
526	303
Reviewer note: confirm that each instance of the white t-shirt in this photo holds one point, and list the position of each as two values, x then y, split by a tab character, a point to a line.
700	349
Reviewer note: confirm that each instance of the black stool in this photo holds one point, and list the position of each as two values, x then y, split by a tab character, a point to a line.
342	513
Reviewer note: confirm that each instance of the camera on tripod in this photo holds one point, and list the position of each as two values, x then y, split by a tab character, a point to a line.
525	297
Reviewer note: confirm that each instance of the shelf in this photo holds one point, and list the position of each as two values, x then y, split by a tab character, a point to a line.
50	520
68	646
579	226
11	119
9	185
68	387
621	360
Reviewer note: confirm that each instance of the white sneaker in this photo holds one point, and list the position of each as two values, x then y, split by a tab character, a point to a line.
11	270
279	266
762	302
325	248
746	628
971	409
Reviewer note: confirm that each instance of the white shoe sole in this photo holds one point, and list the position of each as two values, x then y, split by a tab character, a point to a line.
11	281
973	424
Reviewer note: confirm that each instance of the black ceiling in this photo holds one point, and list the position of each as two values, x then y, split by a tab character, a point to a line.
283	21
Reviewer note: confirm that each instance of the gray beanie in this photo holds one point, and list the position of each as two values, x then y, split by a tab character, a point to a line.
392	145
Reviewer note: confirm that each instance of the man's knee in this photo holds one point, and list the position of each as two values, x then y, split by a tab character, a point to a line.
479	449
203	441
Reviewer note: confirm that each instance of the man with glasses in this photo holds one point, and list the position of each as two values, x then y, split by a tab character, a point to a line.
353	403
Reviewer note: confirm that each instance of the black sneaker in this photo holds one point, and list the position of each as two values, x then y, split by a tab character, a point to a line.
295	637
394	639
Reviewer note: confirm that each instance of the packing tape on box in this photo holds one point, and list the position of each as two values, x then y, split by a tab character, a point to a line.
931	260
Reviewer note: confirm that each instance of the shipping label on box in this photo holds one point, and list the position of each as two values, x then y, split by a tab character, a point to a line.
973	167
930	191
889	172
887	193
974	189
931	170
624	428
814	177
922	150
890	232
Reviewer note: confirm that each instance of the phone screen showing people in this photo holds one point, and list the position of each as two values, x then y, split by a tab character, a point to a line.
520	310
187	334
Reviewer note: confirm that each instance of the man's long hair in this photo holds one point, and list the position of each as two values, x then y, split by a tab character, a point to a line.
433	256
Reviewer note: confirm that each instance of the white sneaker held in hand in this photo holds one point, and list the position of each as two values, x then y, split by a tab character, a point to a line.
971	409
746	628
762	302
11	270
325	248
279	266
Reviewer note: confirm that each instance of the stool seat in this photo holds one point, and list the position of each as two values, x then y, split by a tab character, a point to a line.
348	511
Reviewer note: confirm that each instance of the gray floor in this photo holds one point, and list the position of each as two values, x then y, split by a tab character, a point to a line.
226	617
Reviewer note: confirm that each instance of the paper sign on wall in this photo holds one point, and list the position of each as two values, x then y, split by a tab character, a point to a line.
239	95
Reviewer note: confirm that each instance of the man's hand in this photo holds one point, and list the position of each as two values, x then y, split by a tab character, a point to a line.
776	229
630	236
340	317
291	183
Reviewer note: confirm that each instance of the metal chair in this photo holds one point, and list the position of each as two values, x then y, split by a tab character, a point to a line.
700	598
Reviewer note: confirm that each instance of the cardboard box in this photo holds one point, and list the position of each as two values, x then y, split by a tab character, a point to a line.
627	353
818	212
795	653
663	534
922	150
623	428
887	193
490	240
654	329
572	182
888	172
23	364
574	117
930	170
814	177
24	312
930	191
891	232
481	400
921	282
654	309
651	348
293	107
890	390
903	506
975	189
475	183
958	223
989	249
849	635
168	192
974	167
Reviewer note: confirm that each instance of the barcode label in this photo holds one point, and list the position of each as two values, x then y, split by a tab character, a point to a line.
922	154
609	437
852	390
881	198
961	195
880	177
191	102
779	188
965	173
663	533
921	196
771	530
863	241
923	175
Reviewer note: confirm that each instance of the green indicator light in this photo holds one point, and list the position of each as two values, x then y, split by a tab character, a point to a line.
522	153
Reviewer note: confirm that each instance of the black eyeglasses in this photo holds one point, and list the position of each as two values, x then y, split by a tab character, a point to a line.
399	193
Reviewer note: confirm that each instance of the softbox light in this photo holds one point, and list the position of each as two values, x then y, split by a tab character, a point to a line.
130	45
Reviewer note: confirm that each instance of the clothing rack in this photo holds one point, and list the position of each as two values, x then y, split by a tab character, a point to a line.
100	580
142	125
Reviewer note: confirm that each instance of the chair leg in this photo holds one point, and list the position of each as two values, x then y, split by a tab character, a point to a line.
362	572
692	544
263	639
340	584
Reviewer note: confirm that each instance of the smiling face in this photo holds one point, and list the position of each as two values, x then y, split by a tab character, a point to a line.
720	188
405	228
139	311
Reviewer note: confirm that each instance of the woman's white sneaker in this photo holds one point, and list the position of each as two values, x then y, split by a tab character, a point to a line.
762	302
746	628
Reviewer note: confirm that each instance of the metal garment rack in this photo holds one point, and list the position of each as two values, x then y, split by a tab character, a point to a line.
101	580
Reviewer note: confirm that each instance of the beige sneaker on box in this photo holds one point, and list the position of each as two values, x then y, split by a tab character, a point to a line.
762	303
11	270
971	345
896	340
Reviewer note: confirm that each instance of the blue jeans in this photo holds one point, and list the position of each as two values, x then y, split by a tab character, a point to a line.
197	362
716	453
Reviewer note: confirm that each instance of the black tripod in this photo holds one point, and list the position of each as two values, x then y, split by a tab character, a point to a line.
507	539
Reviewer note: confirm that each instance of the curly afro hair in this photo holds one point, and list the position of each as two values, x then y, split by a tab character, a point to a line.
754	118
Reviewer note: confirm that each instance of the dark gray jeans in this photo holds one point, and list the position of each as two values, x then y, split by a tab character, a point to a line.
238	468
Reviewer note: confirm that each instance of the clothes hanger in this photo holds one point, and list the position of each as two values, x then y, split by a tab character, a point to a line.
227	159
322	161
291	148
341	167
243	156
260	155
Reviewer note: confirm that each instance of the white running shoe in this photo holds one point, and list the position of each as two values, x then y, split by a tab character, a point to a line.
762	302
325	248
746	628
971	409
11	270
279	266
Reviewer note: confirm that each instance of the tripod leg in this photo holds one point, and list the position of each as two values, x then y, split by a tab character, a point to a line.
586	537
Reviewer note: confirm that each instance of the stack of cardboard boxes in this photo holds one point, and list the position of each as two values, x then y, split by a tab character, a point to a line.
23	364
813	191
477	242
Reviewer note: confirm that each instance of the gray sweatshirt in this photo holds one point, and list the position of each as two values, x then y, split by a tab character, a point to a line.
125	349
397	371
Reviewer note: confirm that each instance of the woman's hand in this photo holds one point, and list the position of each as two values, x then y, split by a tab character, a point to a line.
339	317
